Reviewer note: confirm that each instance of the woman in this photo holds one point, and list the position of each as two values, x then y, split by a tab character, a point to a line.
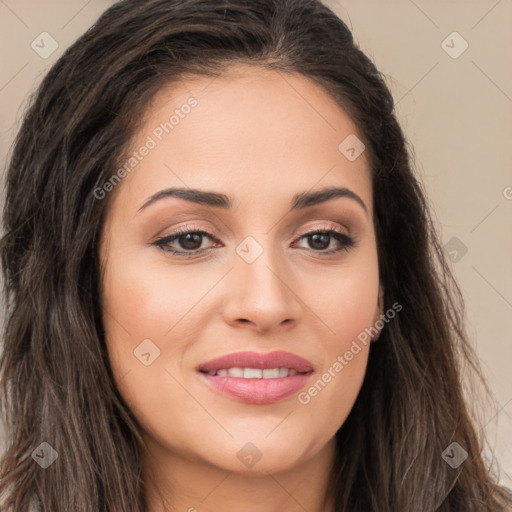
225	290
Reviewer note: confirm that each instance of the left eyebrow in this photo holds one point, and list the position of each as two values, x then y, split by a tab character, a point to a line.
219	200
306	199
214	199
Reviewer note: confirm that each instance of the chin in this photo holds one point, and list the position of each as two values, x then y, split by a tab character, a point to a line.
251	456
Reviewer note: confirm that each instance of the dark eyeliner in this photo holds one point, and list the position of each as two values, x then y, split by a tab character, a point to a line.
347	242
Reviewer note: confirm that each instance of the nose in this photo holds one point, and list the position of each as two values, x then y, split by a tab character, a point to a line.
262	293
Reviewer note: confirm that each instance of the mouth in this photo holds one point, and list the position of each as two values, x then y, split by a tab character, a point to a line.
257	378
254	373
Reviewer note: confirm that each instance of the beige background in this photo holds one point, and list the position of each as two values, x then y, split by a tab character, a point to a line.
457	113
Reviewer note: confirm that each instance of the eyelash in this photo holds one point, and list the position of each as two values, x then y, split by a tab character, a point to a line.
347	242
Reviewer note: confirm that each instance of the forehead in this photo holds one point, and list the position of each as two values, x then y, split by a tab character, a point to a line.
249	129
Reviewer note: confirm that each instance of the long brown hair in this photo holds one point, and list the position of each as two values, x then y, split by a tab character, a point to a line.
56	382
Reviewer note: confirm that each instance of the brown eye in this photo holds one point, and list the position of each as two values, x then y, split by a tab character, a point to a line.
319	241
189	242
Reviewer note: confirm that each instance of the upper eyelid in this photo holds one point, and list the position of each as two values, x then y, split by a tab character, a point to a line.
346	217
192	228
325	226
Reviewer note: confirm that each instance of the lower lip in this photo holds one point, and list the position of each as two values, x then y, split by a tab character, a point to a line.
257	391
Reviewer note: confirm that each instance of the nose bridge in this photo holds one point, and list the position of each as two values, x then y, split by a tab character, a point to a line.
260	290
259	264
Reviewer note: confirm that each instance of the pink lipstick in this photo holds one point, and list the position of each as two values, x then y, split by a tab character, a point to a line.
257	378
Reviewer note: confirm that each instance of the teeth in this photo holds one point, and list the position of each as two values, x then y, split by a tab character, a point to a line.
236	372
254	373
283	372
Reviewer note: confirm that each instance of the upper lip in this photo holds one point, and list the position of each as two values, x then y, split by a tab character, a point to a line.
277	359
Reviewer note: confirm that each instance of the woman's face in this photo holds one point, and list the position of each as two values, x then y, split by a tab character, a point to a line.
262	279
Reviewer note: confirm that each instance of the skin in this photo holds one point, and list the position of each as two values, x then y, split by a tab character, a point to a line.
261	137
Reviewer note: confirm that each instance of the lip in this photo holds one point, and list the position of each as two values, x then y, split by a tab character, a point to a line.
277	359
257	391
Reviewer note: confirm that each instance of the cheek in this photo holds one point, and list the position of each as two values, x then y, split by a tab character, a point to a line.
330	397
344	299
143	308
145	297
145	314
151	308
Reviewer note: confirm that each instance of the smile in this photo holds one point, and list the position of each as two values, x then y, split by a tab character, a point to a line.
254	373
257	378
